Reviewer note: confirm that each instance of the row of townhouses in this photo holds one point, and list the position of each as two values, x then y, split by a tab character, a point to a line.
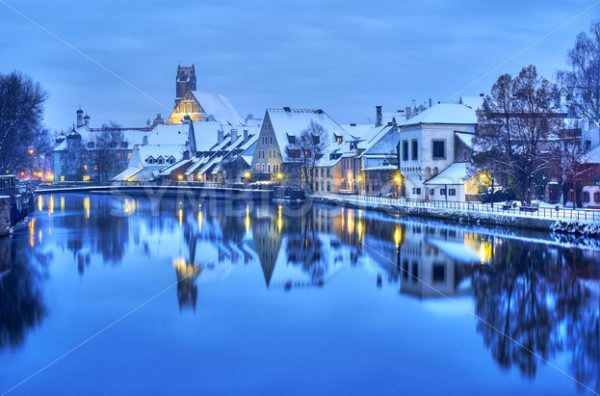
422	152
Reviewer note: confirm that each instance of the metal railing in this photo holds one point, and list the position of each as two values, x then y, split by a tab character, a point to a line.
587	215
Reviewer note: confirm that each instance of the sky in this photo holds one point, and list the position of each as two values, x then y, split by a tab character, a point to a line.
118	59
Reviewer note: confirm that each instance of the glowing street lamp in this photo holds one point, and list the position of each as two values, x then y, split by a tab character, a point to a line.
279	176
247	175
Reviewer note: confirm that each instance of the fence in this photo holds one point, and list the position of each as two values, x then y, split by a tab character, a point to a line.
587	215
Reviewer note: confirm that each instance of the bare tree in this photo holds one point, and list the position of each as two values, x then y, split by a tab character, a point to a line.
581	83
571	161
21	111
518	118
107	146
312	145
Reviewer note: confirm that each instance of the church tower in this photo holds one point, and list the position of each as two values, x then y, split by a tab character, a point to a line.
185	81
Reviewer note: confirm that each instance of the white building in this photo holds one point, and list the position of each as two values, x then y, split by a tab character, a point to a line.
430	143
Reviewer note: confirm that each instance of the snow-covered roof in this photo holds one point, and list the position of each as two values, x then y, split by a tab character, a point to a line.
217	106
155	151
444	113
127	174
466	138
474	102
292	122
168	134
454	174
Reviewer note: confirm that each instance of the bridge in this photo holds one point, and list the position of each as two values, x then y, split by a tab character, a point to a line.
165	191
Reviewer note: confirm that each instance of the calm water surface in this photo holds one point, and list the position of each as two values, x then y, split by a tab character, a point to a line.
222	299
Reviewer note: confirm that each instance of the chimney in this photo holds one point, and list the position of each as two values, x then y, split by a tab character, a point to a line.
145	140
246	137
86	120
234	135
79	117
430	102
378	116
408	112
220	136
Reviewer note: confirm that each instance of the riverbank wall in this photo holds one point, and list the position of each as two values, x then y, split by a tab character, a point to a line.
531	222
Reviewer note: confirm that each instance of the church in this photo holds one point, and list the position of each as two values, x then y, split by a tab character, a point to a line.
198	105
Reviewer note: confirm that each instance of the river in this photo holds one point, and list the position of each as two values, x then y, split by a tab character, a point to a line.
104	294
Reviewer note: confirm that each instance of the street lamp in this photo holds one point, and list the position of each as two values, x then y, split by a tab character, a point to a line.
397	179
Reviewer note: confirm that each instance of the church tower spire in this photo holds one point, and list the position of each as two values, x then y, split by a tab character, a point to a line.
185	81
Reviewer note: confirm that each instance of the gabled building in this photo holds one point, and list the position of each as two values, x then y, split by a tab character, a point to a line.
278	156
217	153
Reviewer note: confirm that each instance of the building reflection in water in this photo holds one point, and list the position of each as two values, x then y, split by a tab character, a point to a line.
543	294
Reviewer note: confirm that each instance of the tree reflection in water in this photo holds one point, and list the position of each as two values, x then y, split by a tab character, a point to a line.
535	295
21	301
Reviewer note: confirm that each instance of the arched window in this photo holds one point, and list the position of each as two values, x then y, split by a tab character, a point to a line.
150	160
427	173
435	171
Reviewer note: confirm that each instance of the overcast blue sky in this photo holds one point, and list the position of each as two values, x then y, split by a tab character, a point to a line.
344	56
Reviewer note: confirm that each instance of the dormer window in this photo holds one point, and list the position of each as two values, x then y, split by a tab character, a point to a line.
171	160
160	160
316	139
291	139
338	138
124	144
150	160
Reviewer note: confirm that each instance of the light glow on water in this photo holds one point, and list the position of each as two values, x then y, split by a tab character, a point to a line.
242	288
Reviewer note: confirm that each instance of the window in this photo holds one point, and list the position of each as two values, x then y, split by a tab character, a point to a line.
270	154
416	191
328	186
271	139
404	150
597	197
338	139
442	191
585	197
150	160
438	149
588	145
415	149
316	186
439	272
123	144
452	192
432	192
161	160
316	139
322	172
328	172
322	186
269	168
294	153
